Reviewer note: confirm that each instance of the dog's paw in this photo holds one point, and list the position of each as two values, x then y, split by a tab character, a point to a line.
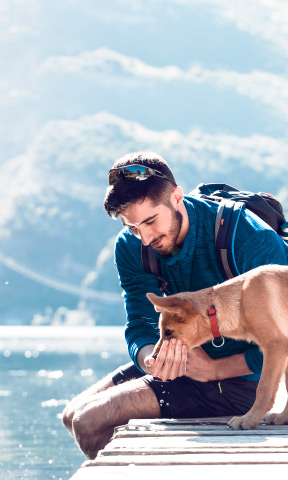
242	423
277	419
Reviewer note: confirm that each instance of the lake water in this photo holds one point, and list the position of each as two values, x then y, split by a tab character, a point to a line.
41	369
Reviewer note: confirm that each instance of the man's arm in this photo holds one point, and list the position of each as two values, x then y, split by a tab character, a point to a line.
142	319
173	361
257	244
203	368
144	355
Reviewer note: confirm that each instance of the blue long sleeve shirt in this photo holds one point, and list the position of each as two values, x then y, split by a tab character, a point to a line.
195	267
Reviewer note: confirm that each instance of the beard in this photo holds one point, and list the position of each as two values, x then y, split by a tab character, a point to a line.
173	233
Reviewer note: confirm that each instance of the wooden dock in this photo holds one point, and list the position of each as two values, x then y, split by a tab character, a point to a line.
189	446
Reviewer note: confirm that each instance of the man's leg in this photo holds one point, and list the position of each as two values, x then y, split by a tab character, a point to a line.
93	423
84	398
122	374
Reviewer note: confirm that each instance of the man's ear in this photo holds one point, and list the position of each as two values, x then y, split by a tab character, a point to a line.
170	304
177	196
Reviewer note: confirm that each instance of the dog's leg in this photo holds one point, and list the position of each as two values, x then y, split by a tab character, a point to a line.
280	418
273	368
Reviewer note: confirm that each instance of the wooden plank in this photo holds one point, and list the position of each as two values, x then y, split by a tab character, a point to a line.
197	422
184	444
187	439
209	432
180	451
194	459
177	428
180	421
194	450
193	424
227	472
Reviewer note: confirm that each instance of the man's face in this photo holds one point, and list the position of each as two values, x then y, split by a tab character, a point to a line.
158	226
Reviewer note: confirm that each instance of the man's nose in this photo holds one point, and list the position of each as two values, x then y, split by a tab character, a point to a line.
146	236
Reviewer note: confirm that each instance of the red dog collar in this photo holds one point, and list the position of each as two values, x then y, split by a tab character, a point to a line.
214	326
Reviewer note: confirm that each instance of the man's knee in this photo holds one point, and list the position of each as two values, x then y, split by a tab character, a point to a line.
67	416
93	423
85	438
91	431
84	398
78	425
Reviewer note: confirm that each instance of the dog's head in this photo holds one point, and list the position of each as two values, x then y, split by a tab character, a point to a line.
178	319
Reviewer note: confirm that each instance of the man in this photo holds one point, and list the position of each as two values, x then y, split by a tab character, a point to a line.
206	381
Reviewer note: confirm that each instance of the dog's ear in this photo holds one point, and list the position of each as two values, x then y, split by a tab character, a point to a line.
170	304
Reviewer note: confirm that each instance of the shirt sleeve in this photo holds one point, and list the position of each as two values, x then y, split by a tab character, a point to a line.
142	319
257	244
254	359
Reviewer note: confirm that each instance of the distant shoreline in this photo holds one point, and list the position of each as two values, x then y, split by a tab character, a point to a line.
64	339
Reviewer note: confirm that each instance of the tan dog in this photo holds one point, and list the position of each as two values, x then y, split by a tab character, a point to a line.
251	307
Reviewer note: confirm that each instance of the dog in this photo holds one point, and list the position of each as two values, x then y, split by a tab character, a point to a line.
251	307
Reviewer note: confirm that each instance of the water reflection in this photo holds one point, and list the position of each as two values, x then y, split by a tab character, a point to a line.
34	392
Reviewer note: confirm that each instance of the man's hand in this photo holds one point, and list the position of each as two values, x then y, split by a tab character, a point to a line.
170	362
203	368
200	366
173	361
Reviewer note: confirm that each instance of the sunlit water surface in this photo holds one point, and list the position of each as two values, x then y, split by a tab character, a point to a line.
35	387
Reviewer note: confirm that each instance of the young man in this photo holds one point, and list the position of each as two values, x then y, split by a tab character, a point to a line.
206	381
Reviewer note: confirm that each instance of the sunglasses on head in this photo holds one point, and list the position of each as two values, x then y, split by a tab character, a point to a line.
135	172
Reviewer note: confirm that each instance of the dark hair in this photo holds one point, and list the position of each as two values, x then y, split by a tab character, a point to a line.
125	192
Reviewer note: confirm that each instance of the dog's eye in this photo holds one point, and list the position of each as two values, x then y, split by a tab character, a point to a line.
168	332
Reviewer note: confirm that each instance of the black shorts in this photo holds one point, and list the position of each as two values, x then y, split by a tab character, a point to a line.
187	398
126	372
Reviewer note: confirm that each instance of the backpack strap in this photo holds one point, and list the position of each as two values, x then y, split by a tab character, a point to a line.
151	264
225	229
283	231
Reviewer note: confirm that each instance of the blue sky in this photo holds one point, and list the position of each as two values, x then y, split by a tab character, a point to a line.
213	72
240	51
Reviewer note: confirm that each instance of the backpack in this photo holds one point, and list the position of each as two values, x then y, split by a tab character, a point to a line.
231	202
